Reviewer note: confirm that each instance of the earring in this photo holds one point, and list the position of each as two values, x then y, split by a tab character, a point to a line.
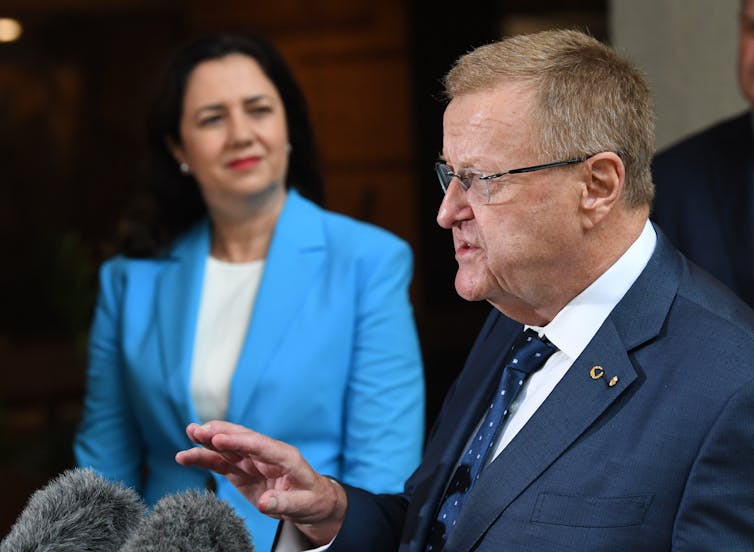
288	147
184	168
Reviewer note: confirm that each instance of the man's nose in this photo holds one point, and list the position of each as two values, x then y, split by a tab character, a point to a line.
454	206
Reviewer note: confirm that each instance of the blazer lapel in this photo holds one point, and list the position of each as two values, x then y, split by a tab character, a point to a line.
577	401
557	423
178	292
296	255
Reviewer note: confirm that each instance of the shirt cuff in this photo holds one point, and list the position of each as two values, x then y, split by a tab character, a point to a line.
293	540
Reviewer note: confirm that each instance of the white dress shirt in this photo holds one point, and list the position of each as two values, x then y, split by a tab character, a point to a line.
573	328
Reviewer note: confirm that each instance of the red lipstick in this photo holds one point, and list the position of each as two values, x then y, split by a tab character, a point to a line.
244	163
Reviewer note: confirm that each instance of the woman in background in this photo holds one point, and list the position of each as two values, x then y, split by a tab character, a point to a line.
247	302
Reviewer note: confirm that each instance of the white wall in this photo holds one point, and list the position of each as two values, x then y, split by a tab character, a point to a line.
687	48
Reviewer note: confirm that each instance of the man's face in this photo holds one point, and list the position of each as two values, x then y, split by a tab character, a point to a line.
512	251
746	51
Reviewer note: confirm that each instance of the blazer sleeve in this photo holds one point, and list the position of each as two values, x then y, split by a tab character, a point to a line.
385	399
373	522
106	439
717	508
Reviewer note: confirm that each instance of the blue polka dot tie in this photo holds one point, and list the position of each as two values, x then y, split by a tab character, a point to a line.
528	355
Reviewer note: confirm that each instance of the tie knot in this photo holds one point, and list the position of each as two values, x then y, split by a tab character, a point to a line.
531	352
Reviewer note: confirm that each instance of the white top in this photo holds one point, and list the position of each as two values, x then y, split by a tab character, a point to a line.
570	331
227	302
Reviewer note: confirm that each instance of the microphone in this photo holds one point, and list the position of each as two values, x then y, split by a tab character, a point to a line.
78	510
190	520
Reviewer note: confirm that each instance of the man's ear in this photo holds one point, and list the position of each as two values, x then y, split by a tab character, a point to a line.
603	188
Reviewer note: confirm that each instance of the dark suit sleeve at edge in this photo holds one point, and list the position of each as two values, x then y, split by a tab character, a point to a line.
373	522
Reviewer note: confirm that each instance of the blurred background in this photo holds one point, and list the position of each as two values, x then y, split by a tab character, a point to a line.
74	89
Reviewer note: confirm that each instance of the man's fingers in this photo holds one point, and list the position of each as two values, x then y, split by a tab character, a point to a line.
318	513
203	458
228	464
236	442
271	474
296	506
226	436
260	447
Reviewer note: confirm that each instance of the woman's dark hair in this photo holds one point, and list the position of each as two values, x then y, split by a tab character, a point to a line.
176	202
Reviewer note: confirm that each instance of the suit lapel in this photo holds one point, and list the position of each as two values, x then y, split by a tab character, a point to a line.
295	259
554	427
178	293
577	401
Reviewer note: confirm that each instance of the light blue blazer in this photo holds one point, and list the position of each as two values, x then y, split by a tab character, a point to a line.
331	361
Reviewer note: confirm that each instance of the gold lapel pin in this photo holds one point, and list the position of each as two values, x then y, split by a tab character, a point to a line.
598	371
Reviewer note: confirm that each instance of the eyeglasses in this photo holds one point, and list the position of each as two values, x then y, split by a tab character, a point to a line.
478	184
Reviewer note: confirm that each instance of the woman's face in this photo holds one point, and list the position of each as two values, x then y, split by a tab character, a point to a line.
233	133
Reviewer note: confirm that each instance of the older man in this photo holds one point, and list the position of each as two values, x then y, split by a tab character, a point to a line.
635	428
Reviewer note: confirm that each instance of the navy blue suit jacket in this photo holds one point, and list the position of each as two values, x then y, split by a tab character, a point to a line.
705	200
663	460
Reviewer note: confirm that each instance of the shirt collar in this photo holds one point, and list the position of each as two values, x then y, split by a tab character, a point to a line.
577	323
